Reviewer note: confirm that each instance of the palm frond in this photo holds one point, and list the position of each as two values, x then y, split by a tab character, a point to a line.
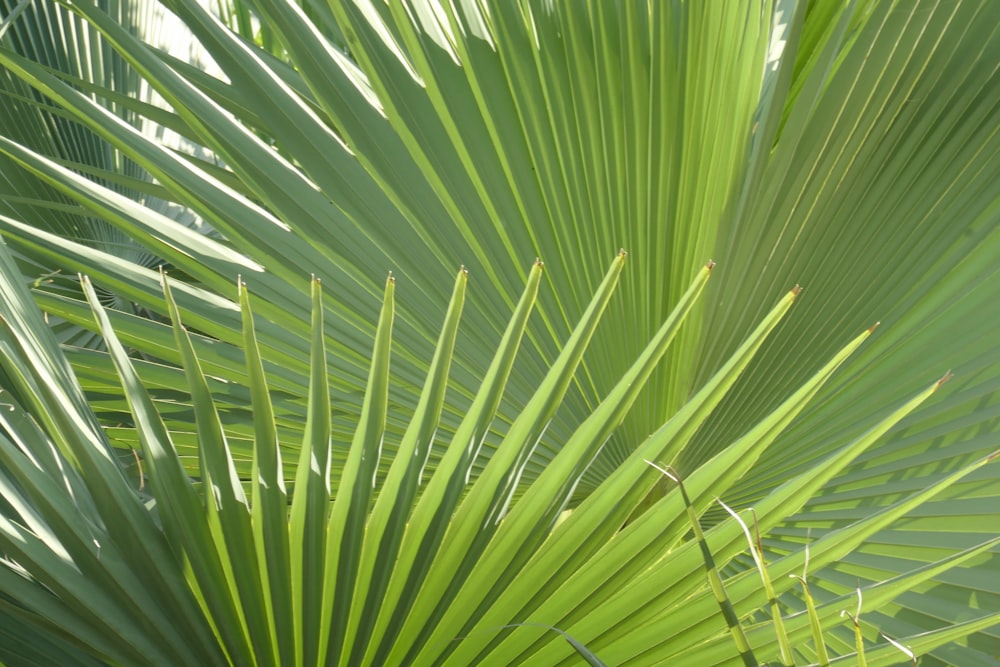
858	160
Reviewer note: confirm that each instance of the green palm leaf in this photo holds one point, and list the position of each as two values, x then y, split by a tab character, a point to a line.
54	38
858	160
336	562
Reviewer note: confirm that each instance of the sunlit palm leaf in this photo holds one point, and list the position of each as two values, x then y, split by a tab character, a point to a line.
864	170
490	569
55	38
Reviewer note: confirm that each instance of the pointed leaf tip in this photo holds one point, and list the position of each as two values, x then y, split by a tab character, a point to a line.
947	376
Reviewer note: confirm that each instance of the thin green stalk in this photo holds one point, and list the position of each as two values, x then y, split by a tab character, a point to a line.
714	579
822	656
758	556
859	640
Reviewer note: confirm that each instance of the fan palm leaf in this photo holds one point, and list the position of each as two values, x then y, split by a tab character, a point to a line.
55	38
471	577
858	159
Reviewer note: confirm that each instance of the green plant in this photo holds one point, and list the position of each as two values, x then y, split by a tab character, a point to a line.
860	164
387	575
30	122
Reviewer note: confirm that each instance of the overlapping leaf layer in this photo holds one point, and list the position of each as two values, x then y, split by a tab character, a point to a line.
851	147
